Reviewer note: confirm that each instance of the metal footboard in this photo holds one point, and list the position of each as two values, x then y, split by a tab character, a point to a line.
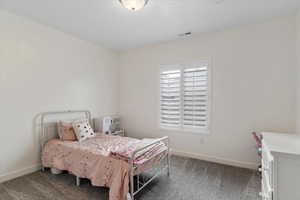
140	186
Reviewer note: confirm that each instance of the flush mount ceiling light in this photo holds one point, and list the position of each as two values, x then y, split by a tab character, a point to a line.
134	5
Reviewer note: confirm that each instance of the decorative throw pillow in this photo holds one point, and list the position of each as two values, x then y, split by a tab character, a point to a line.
66	131
83	129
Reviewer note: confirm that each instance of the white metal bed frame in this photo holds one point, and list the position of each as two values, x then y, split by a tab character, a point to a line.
140	185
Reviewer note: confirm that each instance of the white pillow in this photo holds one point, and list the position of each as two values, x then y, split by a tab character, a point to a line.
83	129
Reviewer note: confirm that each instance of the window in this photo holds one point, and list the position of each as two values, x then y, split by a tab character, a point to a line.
184	98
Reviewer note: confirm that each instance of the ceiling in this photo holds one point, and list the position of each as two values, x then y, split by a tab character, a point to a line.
107	23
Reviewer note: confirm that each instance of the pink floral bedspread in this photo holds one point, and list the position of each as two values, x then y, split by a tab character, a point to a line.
93	159
125	152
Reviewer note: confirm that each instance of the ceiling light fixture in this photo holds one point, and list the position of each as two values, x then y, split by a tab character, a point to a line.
134	5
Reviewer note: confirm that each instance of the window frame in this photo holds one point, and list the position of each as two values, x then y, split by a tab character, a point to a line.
182	67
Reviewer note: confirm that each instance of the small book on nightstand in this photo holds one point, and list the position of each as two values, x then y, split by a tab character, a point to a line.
119	132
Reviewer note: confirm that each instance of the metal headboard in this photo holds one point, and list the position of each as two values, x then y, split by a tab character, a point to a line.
44	115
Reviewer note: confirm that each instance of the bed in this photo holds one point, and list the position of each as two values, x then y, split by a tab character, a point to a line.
97	160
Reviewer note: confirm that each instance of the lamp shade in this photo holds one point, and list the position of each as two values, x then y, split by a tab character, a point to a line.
134	5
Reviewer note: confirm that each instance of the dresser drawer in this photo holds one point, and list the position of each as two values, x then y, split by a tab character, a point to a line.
266	155
267	160
266	190
267	173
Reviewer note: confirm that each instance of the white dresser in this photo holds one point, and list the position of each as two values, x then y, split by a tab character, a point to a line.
280	166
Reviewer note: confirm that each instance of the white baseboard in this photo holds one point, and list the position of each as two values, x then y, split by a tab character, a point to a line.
235	163
34	168
20	172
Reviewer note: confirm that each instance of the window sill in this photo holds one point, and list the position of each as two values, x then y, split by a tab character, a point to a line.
192	131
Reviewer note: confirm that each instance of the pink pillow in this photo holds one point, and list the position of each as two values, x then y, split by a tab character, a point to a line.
66	131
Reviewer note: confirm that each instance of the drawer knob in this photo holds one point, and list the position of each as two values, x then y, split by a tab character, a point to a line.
266	168
263	169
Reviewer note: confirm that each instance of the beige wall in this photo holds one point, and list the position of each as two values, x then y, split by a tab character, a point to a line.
253	78
42	69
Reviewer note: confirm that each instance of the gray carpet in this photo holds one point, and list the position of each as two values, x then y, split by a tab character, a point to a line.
190	180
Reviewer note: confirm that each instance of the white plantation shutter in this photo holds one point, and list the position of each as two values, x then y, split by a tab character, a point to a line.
184	97
170	98
195	97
